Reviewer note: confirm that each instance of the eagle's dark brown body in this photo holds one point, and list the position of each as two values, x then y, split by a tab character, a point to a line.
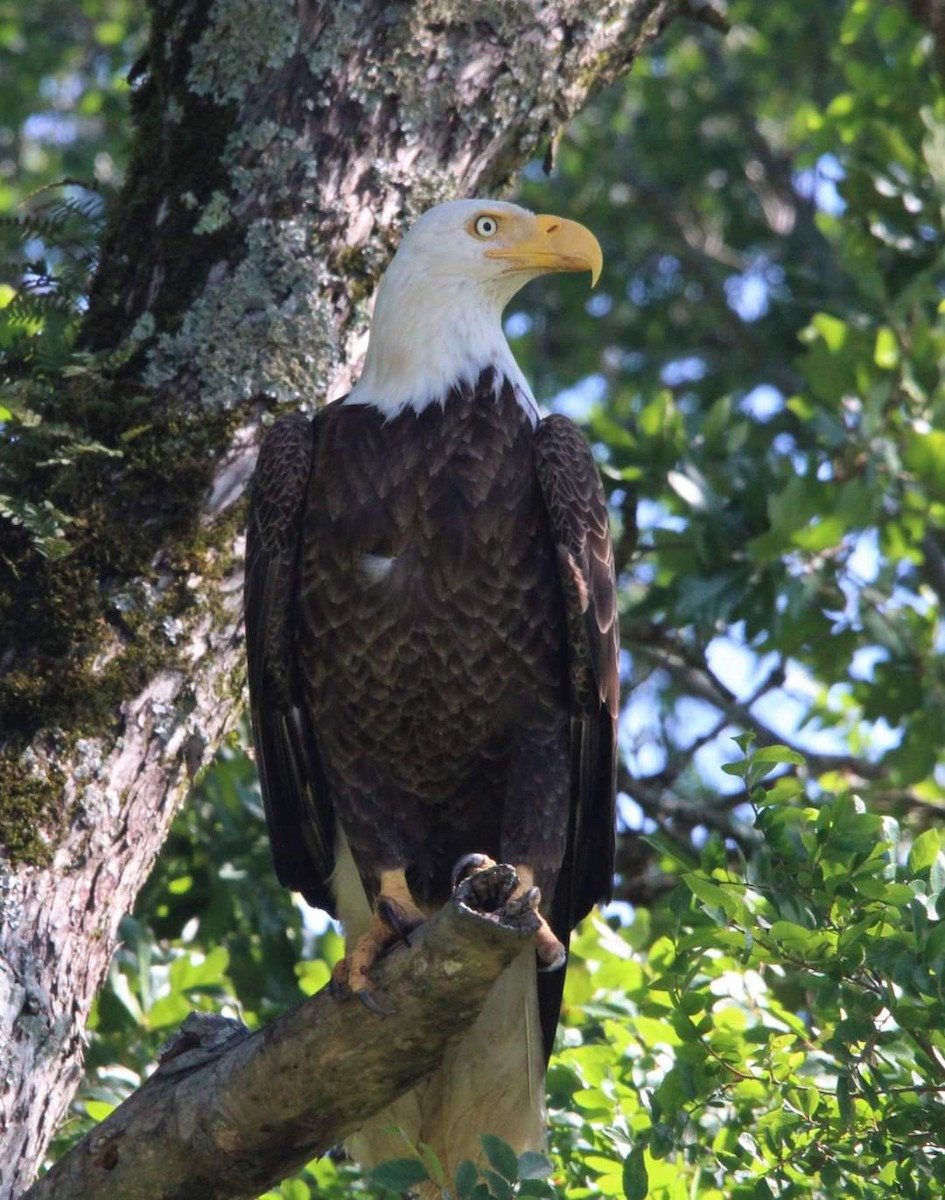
431	627
432	638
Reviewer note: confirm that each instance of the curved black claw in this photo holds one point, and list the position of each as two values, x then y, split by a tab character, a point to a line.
528	899
394	916
466	866
546	968
367	999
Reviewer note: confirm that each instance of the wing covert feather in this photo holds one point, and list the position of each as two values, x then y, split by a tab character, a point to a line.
298	807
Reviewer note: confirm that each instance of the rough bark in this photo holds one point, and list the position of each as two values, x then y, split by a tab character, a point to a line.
194	1129
280	151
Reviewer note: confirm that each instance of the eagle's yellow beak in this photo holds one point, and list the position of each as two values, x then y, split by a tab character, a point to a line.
553	244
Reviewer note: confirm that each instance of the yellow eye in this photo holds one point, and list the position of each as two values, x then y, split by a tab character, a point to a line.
486	227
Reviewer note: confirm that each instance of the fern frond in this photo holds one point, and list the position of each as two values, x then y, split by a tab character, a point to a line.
45	524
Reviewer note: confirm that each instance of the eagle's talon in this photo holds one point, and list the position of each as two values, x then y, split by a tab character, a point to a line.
529	899
546	968
394	917
397	918
551	953
468	865
366	996
340	986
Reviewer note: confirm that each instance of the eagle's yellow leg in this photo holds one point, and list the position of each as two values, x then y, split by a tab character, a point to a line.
547	946
394	915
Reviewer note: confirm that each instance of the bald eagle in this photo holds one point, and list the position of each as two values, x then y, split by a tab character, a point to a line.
432	638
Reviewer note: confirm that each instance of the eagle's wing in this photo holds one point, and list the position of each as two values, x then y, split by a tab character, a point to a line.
298	807
577	513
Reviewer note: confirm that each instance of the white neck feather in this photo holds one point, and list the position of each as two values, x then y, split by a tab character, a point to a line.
432	334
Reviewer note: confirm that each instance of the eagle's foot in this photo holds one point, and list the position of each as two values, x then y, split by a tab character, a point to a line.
394	918
352	975
551	953
487	889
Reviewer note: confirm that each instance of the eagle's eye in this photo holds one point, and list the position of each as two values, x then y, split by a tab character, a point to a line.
486	227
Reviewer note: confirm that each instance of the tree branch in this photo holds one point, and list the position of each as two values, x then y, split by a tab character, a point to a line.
229	1113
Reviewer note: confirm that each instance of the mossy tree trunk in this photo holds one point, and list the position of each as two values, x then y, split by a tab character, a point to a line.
280	151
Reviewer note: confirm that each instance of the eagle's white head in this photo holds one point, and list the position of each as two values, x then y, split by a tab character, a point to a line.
438	314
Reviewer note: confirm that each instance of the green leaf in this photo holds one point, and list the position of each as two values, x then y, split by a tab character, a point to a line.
794	938
820	533
501	1155
636	1182
499	1187
937	874
782	790
313	974
709	893
729	899
886	353
98	1110
745	741
924	851
923	454
532	1165
779	754
831	329
467	1176
399	1174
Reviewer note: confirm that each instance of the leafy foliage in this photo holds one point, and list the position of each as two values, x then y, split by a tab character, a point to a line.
39	316
774	1031
63	143
64	98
